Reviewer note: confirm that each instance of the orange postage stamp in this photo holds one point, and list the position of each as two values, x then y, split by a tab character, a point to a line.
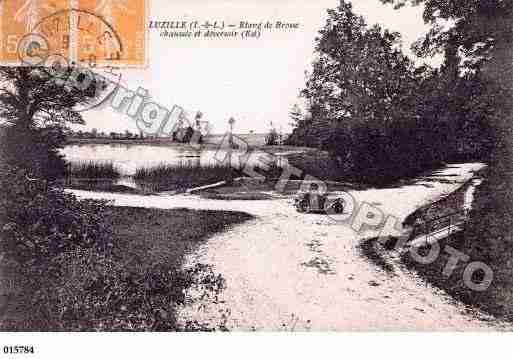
98	32
119	38
19	17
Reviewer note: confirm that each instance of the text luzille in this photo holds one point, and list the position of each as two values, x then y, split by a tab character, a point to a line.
167	24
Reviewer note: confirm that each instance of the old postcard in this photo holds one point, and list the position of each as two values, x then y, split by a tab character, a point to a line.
285	166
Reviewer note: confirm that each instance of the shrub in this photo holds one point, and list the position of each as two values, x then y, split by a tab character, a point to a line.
95	291
40	221
35	150
60	254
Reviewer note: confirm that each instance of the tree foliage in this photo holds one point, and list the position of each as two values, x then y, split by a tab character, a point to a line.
272	138
471	28
377	113
36	104
478	41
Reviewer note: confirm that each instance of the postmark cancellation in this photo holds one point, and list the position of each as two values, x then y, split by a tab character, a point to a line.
98	32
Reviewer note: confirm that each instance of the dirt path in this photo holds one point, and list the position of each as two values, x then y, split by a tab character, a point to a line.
291	271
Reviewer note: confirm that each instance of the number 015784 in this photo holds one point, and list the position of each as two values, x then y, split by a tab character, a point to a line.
18	349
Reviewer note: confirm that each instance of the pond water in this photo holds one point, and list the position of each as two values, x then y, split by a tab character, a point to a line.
126	158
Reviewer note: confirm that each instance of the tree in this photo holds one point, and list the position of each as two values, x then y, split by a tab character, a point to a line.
296	115
361	97
197	120
188	133
479	42
303	132
35	109
371	108
360	73
231	123
32	98
271	139
480	28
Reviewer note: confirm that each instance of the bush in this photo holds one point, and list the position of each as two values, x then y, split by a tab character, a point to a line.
95	291
39	221
68	272
35	150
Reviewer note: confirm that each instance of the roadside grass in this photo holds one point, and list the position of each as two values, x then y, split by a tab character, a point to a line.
381	256
135	284
433	272
375	253
148	239
168	177
148	236
245	188
103	185
93	170
236	196
484	240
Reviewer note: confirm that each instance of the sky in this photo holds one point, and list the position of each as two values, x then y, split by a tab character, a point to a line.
256	81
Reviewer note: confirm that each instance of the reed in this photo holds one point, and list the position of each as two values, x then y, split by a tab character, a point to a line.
183	176
93	170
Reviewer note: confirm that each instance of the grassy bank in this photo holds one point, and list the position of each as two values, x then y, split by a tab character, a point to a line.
168	177
148	236
484	239
236	196
133	285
